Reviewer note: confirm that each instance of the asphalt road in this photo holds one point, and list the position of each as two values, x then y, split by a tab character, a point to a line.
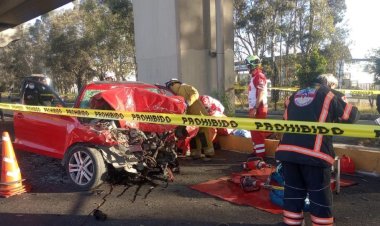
52	200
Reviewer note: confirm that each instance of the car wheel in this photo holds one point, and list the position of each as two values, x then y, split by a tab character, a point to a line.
85	167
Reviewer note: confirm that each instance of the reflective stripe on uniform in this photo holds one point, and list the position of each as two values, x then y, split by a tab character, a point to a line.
322	118
260	150
292	221
259	146
293	214
322	221
292	218
305	151
347	111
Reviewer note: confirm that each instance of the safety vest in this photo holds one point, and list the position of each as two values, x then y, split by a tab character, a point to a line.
314	104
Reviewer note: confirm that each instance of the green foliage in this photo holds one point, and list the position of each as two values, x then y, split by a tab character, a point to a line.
312	66
75	45
18	60
286	32
374	66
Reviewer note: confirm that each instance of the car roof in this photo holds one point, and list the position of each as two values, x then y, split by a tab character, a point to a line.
107	84
36	76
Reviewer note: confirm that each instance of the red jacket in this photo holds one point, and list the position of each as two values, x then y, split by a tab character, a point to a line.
258	82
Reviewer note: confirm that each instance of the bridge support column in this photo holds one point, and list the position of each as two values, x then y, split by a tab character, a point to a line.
178	39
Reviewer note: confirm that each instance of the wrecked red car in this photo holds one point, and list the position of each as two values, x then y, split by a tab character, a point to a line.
90	147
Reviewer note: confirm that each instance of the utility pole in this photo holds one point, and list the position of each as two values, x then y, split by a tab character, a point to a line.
340	77
220	47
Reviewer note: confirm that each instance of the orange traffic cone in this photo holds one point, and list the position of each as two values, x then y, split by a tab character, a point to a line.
11	182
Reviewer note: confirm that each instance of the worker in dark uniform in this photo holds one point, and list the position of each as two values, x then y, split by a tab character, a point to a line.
331	81
307	158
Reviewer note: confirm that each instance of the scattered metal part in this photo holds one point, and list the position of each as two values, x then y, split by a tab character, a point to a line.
139	153
137	158
99	215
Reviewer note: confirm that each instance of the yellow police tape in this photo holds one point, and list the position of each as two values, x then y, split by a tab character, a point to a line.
339	129
346	91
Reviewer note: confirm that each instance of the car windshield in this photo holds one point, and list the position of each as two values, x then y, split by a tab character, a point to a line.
85	102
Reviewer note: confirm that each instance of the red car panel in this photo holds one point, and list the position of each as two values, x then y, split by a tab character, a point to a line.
52	135
134	99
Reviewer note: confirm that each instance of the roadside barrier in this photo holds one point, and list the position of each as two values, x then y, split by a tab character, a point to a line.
269	125
11	182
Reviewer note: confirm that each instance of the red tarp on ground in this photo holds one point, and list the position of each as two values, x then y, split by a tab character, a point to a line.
228	188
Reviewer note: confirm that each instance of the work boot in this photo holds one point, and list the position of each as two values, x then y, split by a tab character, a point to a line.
195	153
209	152
184	153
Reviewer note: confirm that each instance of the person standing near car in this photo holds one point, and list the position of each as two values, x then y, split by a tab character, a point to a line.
307	158
109	76
194	107
257	102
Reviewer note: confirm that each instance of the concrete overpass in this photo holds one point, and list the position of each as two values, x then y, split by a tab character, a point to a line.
15	12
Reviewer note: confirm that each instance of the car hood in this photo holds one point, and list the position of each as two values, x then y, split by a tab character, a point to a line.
132	99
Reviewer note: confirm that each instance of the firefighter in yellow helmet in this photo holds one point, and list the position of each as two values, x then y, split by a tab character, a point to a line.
194	107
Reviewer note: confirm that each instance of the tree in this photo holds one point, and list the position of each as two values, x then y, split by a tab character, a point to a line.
68	52
76	45
312	66
17	60
110	27
374	67
284	30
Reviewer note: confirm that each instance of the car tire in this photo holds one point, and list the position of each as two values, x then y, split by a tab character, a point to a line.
85	167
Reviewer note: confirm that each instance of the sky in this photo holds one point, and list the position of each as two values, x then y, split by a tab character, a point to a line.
362	20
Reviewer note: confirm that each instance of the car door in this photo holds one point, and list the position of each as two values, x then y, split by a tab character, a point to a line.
44	134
